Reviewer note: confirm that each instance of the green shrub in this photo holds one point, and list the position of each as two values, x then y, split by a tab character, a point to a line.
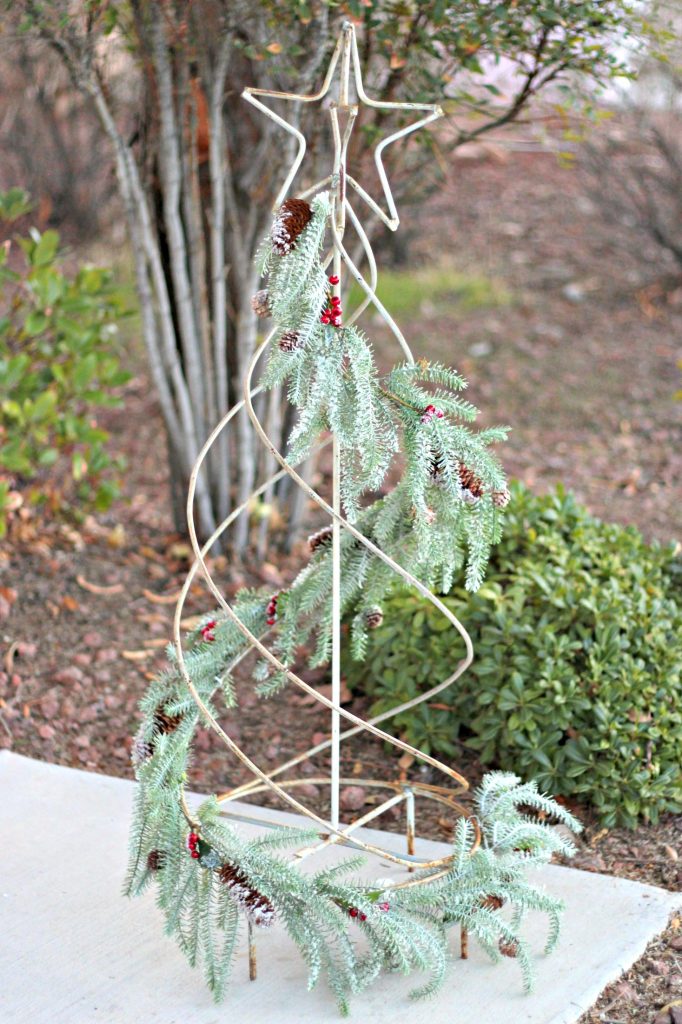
576	678
58	364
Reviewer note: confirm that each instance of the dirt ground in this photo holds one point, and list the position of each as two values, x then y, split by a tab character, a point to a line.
582	364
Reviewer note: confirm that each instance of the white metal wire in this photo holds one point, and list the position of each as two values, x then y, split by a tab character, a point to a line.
345	53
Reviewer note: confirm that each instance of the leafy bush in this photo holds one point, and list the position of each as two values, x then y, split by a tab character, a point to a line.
576	679
58	364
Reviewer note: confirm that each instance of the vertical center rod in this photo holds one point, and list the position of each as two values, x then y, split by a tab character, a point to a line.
338	212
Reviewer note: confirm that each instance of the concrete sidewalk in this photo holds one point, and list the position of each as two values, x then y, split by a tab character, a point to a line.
73	951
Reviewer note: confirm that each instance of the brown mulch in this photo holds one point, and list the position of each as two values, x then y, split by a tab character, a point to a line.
582	364
651	991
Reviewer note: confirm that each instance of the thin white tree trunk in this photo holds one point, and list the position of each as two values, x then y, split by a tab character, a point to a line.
217	171
196	248
246	332
170	166
181	423
272	426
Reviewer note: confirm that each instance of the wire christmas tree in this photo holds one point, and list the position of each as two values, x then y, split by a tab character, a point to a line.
440	519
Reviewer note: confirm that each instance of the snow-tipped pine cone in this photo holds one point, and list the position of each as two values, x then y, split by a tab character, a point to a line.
508	947
491	902
317	540
165	723
260	303
501	498
470	482
292	217
290	341
374	616
155	860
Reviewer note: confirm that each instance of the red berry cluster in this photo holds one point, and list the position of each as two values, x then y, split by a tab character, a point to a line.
272	610
332	313
192	843
208	630
429	412
355	912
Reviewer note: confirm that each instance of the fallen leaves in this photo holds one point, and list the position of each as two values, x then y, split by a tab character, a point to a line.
8	597
8	660
161	598
326	691
116	537
96	588
192	622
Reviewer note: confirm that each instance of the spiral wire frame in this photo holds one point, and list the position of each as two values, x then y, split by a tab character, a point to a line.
331	830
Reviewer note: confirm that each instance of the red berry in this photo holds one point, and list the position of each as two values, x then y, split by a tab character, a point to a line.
384	906
207	630
194	855
430	409
336	299
353	911
334	279
271	621
440	414
363	917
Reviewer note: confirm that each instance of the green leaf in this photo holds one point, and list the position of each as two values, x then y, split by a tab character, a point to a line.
45	249
35	323
79	465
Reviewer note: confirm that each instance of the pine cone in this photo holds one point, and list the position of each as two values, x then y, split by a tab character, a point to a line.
165	723
292	217
323	536
141	749
260	303
155	860
508	947
436	467
258	907
428	515
374	616
470	482
491	902
537	814
290	341
501	498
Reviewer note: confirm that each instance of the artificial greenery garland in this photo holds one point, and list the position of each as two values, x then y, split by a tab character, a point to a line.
443	515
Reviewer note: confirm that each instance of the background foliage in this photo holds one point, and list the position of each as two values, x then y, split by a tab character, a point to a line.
577	676
58	364
196	169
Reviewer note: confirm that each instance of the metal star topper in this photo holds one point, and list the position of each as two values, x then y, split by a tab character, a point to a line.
346	51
